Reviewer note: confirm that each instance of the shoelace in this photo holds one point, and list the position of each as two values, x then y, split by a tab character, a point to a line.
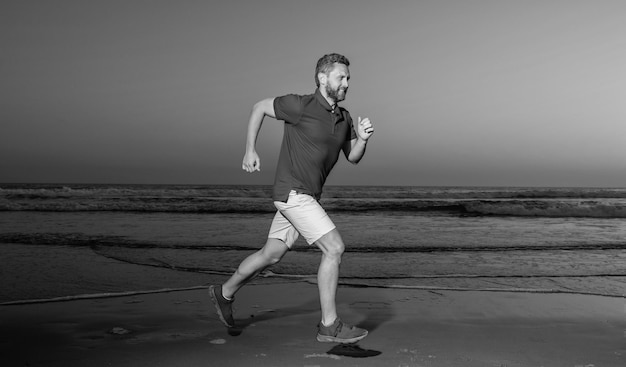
338	329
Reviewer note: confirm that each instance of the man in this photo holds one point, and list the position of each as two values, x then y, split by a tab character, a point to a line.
316	131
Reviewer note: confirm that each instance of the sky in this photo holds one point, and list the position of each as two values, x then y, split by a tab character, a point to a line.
460	93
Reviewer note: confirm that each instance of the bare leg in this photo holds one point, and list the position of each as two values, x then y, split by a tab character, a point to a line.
270	254
332	248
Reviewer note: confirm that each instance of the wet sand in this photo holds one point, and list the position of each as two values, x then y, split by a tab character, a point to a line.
277	328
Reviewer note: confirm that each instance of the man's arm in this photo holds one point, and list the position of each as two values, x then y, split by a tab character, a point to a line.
355	148
251	160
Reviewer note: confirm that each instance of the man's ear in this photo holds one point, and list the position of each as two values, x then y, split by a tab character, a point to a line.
323	78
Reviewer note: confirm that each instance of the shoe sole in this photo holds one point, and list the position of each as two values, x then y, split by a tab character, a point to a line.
217	307
334	339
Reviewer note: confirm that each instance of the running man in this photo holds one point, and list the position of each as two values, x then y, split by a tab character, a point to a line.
316	130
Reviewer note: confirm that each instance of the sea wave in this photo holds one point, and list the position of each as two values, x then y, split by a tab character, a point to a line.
76	239
52	191
547	208
343	192
522	202
519	208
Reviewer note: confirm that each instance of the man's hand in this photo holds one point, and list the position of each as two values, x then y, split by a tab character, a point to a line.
251	162
364	129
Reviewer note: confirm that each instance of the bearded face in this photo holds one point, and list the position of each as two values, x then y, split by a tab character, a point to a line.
338	93
336	85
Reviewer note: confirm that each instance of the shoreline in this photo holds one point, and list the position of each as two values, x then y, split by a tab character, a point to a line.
408	327
68	272
89	296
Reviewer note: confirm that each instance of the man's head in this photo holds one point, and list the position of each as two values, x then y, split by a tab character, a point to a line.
332	75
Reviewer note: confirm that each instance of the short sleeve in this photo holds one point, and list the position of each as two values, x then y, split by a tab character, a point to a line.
288	108
352	134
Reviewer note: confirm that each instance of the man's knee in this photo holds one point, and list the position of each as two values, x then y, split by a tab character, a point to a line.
331	243
274	250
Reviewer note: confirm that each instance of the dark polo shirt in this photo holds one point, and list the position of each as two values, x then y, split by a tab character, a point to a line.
312	141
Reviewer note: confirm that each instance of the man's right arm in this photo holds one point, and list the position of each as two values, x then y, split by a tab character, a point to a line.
251	160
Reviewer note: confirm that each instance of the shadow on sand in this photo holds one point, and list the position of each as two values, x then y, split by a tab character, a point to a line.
353	350
241	324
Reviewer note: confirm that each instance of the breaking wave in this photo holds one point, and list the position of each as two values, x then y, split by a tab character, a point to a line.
523	202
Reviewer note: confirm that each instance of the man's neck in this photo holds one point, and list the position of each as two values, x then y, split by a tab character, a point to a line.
330	101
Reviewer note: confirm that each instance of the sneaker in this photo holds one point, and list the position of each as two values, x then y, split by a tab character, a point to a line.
223	306
340	332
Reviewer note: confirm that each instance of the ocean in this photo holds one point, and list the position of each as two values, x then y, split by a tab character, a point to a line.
77	240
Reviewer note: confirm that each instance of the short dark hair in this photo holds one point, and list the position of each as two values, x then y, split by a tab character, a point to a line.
326	62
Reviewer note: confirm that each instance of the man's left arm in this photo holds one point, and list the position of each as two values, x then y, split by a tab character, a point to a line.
355	148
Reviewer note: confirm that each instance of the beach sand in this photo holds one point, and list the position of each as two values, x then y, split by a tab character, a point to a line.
278	327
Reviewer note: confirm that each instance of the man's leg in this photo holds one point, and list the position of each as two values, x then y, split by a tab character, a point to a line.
270	254
332	329
222	296
332	248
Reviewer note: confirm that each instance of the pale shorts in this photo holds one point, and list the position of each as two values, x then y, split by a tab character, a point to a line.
300	215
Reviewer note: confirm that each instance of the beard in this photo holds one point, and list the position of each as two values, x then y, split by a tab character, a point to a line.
337	94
